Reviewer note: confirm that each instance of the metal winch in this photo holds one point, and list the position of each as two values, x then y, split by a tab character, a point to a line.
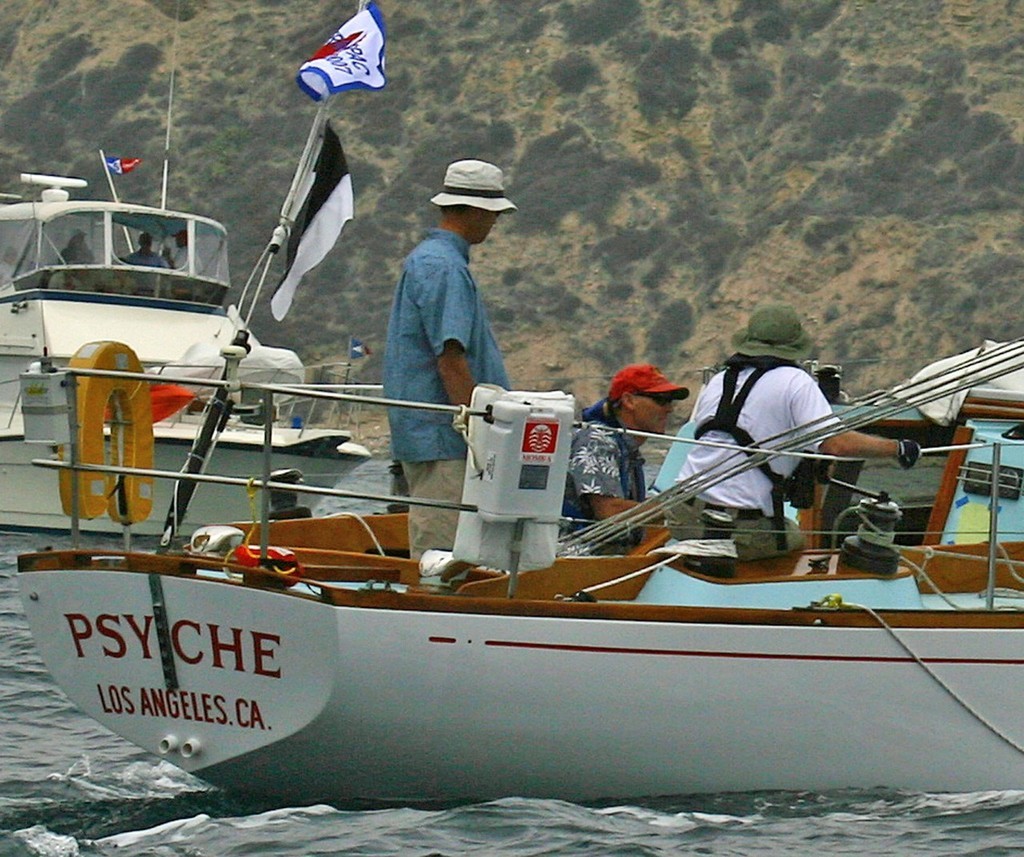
873	547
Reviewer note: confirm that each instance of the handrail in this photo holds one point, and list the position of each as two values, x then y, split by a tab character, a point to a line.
318	391
270	484
311	392
269	390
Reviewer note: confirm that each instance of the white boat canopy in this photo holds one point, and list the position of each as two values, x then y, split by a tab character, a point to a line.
93	246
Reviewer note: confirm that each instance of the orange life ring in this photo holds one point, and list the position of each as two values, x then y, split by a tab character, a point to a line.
127	499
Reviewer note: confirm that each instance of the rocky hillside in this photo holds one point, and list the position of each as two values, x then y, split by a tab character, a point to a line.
674	163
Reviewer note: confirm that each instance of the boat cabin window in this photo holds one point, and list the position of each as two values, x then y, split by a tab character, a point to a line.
16	241
74	239
188	246
211	252
117	251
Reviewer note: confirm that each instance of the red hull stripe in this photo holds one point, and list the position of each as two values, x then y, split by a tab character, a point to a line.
696	653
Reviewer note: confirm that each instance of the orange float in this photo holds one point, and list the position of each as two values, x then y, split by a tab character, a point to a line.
125	404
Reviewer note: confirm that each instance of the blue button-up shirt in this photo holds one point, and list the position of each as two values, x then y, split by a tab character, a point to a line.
437	299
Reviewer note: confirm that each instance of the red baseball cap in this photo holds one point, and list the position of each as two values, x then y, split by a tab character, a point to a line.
644	378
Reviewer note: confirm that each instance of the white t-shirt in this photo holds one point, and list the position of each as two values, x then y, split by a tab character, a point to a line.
783	400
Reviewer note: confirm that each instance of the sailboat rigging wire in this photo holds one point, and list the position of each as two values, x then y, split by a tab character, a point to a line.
985	366
268	257
249	280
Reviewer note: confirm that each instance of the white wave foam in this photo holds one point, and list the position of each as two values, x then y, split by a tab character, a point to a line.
142	779
46	843
677	820
179	830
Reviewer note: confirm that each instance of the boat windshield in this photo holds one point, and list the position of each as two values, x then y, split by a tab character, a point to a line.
17	256
110	243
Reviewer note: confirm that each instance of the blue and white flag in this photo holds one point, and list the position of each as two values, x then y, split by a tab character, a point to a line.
353	58
357	348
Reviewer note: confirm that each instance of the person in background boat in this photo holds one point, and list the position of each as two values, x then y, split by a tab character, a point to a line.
606	468
440	345
761	394
177	256
145	254
77	251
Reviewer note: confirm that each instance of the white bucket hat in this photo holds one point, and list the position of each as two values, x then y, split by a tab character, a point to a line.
475	183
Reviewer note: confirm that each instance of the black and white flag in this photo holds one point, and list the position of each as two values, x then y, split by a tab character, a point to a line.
328	206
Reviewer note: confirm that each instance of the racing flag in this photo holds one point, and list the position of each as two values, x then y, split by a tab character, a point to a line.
121	166
327	208
353	58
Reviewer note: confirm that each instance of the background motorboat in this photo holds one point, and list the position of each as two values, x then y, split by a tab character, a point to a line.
71	273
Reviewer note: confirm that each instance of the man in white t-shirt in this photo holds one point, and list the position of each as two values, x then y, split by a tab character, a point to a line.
761	397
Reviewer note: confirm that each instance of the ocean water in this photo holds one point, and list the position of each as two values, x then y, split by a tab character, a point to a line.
69	787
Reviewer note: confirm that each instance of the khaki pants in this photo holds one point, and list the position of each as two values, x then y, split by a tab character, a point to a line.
430	527
754	537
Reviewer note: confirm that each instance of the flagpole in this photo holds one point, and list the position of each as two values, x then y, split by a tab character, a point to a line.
300	187
305	167
301	178
106	172
306	161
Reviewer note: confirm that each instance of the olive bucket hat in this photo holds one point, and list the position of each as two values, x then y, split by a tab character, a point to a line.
774	330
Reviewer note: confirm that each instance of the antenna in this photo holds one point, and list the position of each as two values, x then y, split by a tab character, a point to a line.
54	187
170	103
52	181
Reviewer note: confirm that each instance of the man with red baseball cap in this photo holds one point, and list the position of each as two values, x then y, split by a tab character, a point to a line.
606	469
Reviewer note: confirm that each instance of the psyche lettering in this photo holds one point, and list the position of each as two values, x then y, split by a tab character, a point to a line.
113	635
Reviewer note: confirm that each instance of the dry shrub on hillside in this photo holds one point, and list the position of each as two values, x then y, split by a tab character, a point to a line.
666	78
567	171
850	113
668	331
596	21
574	73
730	44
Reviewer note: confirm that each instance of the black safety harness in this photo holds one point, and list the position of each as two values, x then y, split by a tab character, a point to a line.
726	420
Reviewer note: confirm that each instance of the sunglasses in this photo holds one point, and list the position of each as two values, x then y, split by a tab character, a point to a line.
658	398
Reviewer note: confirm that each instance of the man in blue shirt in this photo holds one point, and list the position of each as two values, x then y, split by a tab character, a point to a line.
440	345
145	254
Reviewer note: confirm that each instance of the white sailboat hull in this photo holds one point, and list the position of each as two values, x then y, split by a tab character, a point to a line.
440	704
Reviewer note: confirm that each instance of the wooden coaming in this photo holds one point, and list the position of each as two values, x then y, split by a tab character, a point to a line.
538	590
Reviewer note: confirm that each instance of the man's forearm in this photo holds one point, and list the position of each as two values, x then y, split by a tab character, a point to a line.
456	376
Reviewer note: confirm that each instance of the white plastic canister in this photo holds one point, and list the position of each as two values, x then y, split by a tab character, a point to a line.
515	476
